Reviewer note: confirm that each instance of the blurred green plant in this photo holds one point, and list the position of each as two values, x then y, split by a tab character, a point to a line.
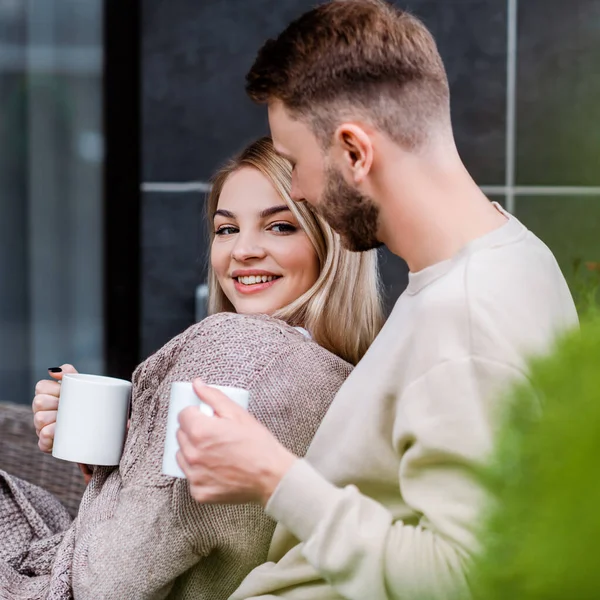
585	286
540	538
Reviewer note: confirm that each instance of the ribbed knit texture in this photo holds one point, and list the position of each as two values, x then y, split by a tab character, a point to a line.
139	534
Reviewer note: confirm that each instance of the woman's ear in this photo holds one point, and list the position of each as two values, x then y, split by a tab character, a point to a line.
355	148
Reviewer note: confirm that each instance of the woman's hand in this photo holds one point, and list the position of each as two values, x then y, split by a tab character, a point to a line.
45	407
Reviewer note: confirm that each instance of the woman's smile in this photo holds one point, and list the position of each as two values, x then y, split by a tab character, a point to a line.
253	281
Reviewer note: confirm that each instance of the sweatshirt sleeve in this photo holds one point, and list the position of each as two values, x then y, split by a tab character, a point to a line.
443	427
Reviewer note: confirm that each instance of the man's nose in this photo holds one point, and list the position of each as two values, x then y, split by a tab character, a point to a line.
296	192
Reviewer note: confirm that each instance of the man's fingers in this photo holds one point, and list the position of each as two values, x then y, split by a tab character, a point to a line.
186	464
183	464
46	438
223	406
187	447
191	421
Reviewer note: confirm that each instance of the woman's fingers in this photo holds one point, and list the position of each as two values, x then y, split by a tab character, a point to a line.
63	370
43	402
46	438
45	406
43	418
47	386
87	472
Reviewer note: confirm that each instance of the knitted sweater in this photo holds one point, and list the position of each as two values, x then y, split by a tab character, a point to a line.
139	534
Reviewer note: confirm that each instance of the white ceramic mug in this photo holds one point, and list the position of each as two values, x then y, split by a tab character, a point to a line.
183	396
91	423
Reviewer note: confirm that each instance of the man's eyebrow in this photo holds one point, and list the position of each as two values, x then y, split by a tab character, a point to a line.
224	213
273	210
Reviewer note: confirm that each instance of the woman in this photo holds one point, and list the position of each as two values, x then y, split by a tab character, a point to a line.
269	256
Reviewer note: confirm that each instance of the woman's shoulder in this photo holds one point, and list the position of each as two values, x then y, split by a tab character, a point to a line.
260	338
241	325
252	340
255	338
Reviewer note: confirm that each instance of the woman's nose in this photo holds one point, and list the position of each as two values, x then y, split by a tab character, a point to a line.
247	247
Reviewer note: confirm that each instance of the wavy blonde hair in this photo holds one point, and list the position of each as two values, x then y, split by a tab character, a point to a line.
343	309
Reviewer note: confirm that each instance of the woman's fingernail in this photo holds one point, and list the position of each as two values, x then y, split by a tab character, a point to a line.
55	370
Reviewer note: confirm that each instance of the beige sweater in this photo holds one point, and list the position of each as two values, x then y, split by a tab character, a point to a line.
385	505
139	535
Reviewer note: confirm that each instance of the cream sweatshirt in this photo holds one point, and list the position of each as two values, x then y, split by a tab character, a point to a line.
385	504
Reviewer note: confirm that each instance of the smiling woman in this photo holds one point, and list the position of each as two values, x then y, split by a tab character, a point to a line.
262	258
271	255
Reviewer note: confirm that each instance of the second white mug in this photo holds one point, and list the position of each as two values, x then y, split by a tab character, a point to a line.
183	396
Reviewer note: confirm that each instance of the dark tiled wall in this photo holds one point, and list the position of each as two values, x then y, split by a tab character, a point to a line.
195	57
471	37
195	114
558	93
558	127
173	263
14	349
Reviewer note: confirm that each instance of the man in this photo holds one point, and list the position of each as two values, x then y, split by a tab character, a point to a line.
386	503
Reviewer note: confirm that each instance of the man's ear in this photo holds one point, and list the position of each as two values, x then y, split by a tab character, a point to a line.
355	148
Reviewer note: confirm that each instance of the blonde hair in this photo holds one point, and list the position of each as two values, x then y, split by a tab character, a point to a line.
342	310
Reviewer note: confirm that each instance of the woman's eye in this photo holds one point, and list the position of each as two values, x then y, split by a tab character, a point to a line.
226	230
283	228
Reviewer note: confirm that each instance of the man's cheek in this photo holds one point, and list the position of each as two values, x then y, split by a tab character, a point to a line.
313	188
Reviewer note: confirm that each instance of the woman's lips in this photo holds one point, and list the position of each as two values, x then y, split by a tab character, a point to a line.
253	288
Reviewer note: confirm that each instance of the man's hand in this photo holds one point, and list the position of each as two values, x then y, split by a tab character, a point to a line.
230	457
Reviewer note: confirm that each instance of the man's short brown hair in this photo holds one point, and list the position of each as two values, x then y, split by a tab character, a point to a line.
356	58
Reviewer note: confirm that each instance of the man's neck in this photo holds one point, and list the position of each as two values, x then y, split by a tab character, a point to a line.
429	214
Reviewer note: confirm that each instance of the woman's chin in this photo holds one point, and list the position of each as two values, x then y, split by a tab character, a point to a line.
255	308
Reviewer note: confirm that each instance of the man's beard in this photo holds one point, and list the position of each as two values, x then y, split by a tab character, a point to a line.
354	216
